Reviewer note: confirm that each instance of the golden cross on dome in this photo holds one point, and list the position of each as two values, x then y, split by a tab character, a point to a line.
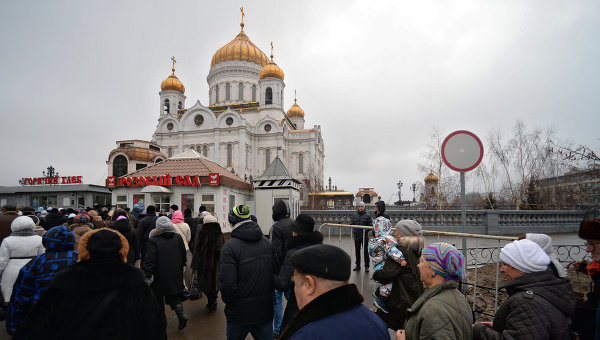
242	10
271	50
294	96
174	61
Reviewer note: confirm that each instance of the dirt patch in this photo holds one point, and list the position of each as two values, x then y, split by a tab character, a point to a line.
486	294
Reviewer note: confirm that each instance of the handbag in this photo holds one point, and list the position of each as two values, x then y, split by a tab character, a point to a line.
195	289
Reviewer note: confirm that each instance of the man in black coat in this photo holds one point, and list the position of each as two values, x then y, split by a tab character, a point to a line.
361	236
144	226
248	262
163	266
54	219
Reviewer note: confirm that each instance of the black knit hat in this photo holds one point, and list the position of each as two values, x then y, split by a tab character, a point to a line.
150	210
324	261
174	207
304	224
590	229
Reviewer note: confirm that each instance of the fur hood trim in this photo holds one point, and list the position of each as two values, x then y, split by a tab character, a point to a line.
413	242
84	253
162	230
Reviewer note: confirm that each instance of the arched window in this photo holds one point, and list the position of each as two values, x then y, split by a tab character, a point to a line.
217	94
269	96
119	166
253	93
241	92
366	198
205	151
229	155
267	158
192	147
166	107
300	163
170	152
158	160
180	106
227	91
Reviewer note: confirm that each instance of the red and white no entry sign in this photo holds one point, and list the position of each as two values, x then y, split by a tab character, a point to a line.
462	151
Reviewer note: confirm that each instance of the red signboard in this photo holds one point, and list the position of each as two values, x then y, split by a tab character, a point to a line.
213	179
52	180
142	181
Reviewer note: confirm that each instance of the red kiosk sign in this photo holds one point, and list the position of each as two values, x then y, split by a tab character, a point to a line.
213	179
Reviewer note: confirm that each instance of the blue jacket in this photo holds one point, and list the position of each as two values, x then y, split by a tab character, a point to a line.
337	314
34	278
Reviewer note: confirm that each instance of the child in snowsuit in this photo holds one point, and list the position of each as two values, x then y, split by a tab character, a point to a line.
381	248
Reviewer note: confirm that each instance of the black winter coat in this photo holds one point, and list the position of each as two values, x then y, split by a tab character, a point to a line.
361	218
75	294
207	256
248	262
54	219
284	281
406	283
281	232
144	226
539	306
165	259
124	227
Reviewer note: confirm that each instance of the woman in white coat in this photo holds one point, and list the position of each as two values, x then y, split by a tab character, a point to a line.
16	250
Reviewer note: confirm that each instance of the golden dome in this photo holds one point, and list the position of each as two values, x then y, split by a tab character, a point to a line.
271	70
295	111
431	178
240	48
172	83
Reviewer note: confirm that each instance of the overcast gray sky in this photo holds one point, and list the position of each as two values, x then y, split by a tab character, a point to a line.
376	75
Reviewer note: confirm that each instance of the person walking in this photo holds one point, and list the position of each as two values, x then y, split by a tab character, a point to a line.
539	305
585	321
206	259
34	278
123	225
248	262
81	225
441	312
182	228
163	266
16	250
330	308
9	213
145	225
111	298
361	236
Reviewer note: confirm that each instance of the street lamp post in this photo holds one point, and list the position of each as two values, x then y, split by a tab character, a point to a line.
414	190
400	191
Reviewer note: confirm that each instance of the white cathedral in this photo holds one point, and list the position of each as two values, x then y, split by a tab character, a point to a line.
245	125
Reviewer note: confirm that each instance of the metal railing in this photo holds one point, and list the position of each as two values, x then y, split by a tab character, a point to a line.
482	253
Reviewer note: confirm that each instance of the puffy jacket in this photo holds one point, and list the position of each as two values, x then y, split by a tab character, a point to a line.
34	278
406	282
165	259
15	252
124	227
360	218
248	262
538	307
441	312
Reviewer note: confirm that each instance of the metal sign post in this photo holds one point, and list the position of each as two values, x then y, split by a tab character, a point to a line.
462	151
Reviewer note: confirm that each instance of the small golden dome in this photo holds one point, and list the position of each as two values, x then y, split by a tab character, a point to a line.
172	83
240	48
271	70
431	178
295	111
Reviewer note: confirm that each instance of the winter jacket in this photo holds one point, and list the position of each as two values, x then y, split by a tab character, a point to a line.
183	229
67	309
406	282
360	218
124	227
207	256
441	312
335	315
165	259
195	229
248	262
34	278
54	219
383	246
283	281
5	222
79	230
538	307
15	252
281	231
145	225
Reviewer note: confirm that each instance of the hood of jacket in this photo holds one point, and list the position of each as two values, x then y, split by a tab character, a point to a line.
123	226
557	291
58	239
382	227
301	240
247	230
412	242
162	231
97	276
280	210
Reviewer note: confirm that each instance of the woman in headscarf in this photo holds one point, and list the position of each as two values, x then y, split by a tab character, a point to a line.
16	250
441	312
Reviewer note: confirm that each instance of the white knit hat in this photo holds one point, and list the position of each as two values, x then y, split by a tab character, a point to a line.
525	255
545	242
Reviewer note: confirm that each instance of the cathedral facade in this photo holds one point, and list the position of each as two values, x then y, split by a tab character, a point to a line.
245	125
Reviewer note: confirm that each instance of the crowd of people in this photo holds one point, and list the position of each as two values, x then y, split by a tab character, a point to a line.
104	273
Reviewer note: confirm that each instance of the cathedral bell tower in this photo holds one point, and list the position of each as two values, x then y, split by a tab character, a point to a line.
172	100
271	85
